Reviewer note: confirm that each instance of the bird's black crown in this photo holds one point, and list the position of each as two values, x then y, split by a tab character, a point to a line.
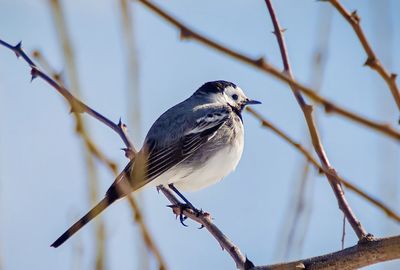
214	87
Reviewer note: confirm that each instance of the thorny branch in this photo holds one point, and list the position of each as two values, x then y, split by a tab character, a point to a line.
372	60
355	257
76	105
262	65
307	109
79	107
267	124
120	129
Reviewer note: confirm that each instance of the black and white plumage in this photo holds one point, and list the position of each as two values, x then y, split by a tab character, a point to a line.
192	145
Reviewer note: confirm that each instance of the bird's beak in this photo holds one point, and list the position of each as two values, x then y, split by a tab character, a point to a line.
252	102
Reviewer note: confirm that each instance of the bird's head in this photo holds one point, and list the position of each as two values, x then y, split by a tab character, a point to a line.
226	93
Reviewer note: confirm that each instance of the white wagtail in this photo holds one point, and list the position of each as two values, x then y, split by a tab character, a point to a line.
192	145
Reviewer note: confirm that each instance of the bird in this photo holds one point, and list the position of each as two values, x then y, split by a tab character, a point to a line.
192	145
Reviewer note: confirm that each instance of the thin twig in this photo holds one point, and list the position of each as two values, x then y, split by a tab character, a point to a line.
134	114
119	128
80	126
389	212
76	105
372	60
295	231
307	109
262	65
355	257
205	220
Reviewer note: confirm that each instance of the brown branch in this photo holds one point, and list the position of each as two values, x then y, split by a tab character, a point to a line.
372	60
355	257
267	124
205	220
262	65
80	126
119	128
76	105
307	109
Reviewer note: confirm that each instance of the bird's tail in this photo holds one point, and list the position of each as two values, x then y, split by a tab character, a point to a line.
103	204
119	189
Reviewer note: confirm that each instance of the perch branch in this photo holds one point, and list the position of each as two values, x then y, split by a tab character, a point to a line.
267	124
205	220
372	60
355	257
262	65
120	129
307	109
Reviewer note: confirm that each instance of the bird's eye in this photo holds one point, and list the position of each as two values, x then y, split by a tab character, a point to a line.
235	97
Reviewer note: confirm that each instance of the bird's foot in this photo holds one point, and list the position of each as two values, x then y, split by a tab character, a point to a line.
180	208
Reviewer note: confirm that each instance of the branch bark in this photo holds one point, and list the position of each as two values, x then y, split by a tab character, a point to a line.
79	107
267	124
262	65
372	60
360	255
307	109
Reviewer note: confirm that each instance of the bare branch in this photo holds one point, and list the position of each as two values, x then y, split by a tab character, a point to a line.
372	60
120	128
262	65
76	105
355	257
307	109
386	209
205	220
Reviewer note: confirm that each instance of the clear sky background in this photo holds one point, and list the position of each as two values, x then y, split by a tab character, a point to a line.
43	179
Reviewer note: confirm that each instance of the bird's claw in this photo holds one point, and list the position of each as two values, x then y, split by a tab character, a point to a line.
181	207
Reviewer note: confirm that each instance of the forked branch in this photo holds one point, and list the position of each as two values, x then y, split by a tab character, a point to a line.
355	257
79	107
262	65
378	203
76	105
372	60
307	109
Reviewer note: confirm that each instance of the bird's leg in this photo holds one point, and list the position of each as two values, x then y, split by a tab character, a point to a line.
186	205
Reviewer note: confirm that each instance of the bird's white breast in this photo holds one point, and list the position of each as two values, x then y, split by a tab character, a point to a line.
213	170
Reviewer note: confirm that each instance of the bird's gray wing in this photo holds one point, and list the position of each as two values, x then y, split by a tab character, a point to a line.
202	127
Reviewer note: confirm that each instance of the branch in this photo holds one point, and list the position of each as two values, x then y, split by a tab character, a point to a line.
267	124
355	257
205	220
307	109
76	105
372	60
262	65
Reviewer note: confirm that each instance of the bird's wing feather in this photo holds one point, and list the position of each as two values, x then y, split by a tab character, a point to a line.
162	158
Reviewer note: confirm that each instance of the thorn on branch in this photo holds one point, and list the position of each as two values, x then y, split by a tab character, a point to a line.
130	154
17	49
282	30
355	17
261	61
185	33
34	72
328	107
371	62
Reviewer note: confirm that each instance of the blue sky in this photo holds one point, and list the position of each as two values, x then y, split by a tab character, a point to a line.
43	185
